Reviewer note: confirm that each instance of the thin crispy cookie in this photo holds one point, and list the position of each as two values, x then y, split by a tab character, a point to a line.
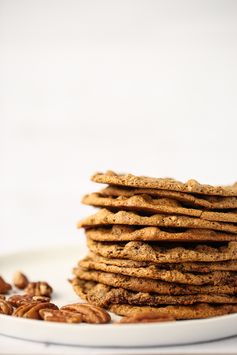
191	186
120	233
157	273
145	203
197	267
139	284
209	202
103	296
157	254
105	217
200	310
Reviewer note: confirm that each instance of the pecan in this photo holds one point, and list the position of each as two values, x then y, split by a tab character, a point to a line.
20	280
52	315
5	307
19	300
31	310
90	313
146	317
39	288
4	286
2	297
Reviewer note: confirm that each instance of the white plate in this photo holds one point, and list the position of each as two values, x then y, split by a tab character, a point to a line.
54	265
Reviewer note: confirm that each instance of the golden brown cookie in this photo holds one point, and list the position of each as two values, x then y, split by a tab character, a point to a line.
103	296
162	254
122	233
191	186
200	310
105	217
197	267
156	272
148	285
147	204
188	200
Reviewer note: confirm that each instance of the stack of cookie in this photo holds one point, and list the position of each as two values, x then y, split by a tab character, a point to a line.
161	245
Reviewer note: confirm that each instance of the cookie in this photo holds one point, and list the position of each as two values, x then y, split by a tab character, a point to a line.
105	217
139	284
230	265
199	310
120	262
147	204
188	200
121	233
103	296
157	273
191	186
197	267
162	254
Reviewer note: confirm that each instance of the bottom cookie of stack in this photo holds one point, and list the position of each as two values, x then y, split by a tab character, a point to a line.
126	302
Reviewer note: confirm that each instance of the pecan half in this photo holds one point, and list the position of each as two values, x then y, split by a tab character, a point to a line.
146	317
20	280
19	300
52	315
39	288
5	307
4	286
31	310
90	313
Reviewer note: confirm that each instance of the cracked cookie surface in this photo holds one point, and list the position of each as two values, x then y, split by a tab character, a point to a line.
187	199
158	273
120	233
191	186
103	296
106	217
145	203
154	252
149	285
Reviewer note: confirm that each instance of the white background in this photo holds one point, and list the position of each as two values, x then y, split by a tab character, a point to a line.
147	87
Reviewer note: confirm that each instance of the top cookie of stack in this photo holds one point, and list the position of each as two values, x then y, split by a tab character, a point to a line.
160	244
